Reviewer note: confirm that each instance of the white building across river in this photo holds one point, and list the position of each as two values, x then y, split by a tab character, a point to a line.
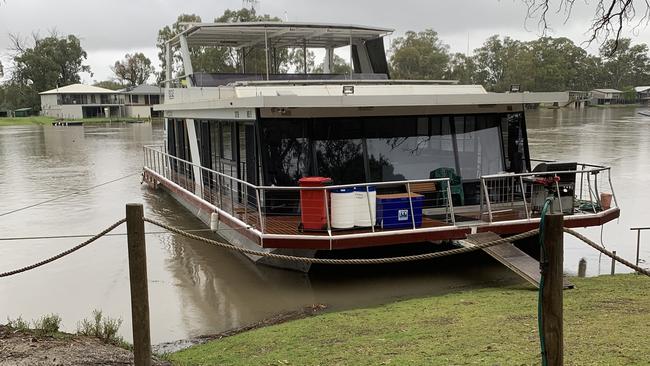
78	101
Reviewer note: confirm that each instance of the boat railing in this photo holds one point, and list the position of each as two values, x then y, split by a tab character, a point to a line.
281	211
586	190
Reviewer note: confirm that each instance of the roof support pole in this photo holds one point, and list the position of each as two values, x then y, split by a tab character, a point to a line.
364	59
304	56
266	52
187	61
327	65
168	64
351	58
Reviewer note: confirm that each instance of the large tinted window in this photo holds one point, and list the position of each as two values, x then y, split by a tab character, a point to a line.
338	149
351	150
285	152
478	141
408	148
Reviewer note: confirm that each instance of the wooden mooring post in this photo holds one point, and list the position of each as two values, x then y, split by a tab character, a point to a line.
582	268
139	289
552	325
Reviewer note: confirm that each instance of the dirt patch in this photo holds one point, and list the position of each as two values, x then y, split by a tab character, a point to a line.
164	348
27	348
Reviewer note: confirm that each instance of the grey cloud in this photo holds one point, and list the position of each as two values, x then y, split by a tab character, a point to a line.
133	24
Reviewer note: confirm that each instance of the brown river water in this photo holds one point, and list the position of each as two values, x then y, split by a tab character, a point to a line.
195	289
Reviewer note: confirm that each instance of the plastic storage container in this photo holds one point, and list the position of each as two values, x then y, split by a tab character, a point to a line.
394	210
313	211
365	206
343	208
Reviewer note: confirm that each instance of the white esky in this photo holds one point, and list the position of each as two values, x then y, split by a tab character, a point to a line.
110	29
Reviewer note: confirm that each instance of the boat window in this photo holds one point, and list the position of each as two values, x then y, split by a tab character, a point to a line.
215	144
514	137
479	146
285	151
226	142
338	150
396	154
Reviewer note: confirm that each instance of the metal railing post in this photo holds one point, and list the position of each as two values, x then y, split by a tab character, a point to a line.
582	178
327	216
259	212
523	196
487	199
559	198
450	202
372	220
611	186
408	191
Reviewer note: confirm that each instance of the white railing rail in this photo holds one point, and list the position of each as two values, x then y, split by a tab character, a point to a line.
261	207
499	191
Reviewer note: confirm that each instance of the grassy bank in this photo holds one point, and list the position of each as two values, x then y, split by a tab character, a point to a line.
606	323
41	120
32	120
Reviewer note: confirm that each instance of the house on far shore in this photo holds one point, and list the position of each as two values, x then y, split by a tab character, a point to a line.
140	100
606	96
78	101
643	94
23	112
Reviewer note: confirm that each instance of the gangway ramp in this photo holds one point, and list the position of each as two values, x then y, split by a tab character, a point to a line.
512	257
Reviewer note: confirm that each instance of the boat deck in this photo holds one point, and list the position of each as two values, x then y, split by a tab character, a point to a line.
277	224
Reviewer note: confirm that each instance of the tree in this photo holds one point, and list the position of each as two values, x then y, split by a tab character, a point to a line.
50	62
223	59
558	64
109	84
419	55
461	68
501	63
134	69
297	59
339	66
2	70
169	32
610	18
625	64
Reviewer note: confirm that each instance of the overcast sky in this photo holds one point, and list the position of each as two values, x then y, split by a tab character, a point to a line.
110	29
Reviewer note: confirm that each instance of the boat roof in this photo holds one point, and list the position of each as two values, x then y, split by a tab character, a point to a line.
607	90
280	34
79	89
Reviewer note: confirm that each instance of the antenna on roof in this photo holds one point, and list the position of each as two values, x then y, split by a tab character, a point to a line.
250	4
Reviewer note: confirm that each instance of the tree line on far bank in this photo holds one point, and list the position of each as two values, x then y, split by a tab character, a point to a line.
544	64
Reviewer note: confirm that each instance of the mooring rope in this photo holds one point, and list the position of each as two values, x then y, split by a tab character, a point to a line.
596	246
63	254
357	261
409	258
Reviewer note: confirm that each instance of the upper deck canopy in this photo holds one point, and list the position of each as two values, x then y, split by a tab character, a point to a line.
280	34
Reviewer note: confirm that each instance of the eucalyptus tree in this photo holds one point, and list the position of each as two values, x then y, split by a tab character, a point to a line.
419	55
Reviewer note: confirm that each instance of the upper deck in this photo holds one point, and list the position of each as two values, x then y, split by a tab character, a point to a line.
365	82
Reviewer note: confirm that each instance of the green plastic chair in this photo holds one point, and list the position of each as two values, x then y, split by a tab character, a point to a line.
455	183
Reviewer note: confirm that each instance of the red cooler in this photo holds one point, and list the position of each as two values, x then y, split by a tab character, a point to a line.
313	211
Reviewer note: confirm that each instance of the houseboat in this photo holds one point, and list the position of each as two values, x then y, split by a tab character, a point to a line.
286	161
